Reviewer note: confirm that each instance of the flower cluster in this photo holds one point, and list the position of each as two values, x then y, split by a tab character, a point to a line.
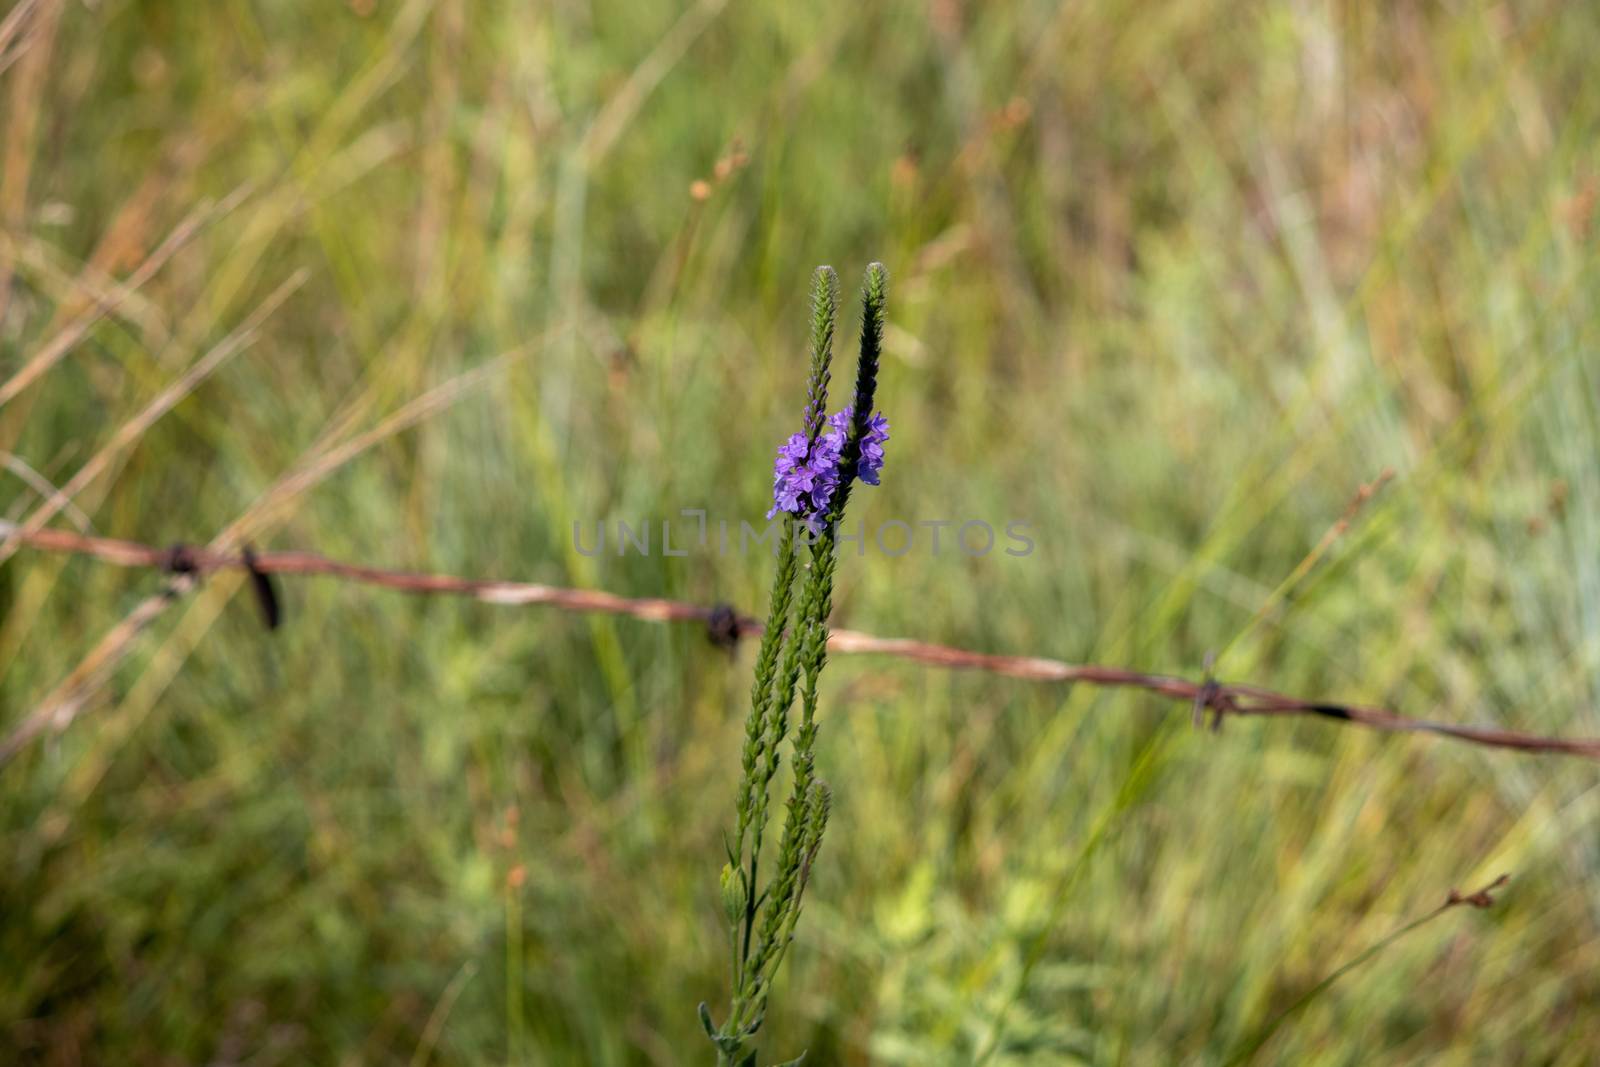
871	461
807	474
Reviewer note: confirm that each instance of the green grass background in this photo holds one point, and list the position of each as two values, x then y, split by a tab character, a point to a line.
1171	282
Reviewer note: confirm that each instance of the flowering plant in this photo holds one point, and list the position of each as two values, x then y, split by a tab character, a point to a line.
812	478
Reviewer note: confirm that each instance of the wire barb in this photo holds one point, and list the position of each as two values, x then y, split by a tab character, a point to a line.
1210	696
723	627
266	595
1483	898
180	560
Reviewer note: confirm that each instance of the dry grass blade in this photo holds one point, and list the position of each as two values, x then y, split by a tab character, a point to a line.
1482	898
42	485
10	27
135	427
620	109
69	336
64	703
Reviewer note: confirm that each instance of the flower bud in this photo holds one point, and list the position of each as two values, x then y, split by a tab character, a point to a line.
732	894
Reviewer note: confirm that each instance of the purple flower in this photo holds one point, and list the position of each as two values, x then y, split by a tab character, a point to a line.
806	476
871	461
790	475
871	458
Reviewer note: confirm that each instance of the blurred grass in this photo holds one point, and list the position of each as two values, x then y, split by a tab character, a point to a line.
1171	282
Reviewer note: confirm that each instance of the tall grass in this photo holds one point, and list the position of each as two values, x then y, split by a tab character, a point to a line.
1172	282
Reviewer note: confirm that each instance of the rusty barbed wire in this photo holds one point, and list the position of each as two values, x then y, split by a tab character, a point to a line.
726	626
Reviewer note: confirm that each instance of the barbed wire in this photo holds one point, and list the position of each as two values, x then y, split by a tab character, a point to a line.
726	626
